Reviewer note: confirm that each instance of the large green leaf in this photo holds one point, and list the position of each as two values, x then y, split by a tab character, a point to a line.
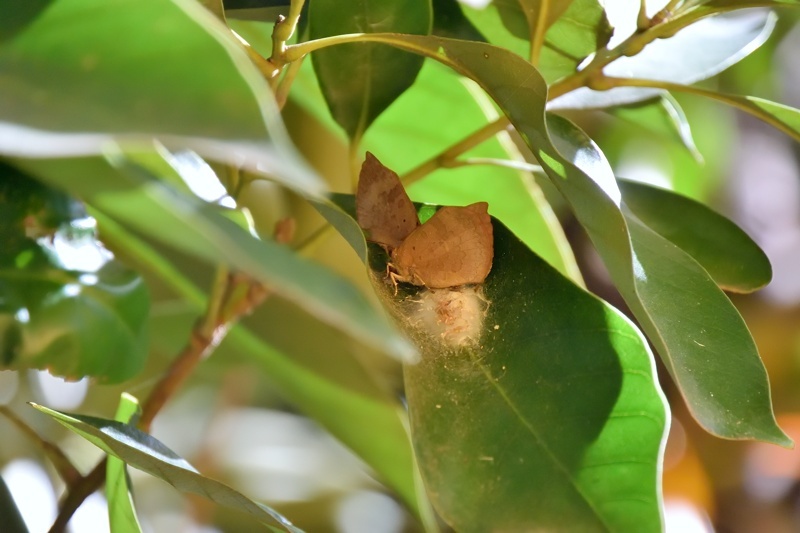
574	30
700	336
361	80
344	409
724	40
132	195
148	454
726	252
142	69
9	513
121	511
535	405
65	304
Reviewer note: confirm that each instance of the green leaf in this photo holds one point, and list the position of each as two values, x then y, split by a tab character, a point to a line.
535	405
663	116
9	513
150	455
344	409
148	80
65	304
574	30
580	30
361	80
726	252
700	336
138	69
724	40
133	196
121	510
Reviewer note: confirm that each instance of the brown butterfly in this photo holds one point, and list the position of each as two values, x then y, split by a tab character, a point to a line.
454	247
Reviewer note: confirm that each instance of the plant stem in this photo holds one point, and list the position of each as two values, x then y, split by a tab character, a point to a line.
203	339
739	102
642	22
282	32
538	28
282	91
591	73
448	156
76	494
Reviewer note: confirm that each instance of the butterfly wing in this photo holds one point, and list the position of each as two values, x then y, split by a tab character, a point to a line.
455	247
383	209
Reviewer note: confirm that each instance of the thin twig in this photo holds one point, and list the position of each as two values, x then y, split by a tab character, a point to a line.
66	470
76	494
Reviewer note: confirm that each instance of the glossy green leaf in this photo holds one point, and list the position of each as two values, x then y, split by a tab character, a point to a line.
344	409
700	336
663	116
9	513
142	451
139	69
724	40
132	196
726	252
535	405
361	80
121	510
574	30
65	304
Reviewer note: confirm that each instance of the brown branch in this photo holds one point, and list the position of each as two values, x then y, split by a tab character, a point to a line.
76	494
66	470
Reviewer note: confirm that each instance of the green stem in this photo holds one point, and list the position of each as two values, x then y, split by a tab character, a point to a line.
282	92
642	22
739	102
448	156
505	163
282	32
632	45
538	27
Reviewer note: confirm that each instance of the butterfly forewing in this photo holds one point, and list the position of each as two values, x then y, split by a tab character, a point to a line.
383	208
455	247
